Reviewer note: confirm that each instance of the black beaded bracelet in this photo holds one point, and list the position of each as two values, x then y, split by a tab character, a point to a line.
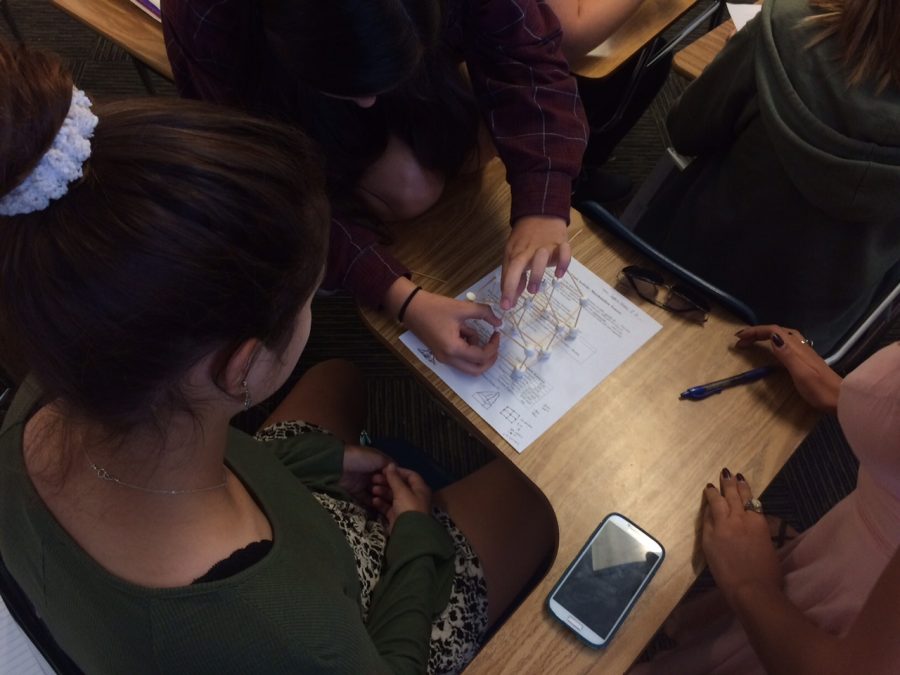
406	302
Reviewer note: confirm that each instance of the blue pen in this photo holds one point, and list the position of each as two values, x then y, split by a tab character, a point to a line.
702	391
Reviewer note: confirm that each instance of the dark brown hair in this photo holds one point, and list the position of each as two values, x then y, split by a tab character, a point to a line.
868	35
193	229
25	137
358	48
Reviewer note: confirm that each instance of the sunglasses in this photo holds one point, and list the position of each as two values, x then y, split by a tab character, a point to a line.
679	299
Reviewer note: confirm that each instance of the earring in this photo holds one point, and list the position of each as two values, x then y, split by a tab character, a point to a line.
246	390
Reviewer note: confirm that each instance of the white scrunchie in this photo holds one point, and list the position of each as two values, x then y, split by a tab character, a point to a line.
60	165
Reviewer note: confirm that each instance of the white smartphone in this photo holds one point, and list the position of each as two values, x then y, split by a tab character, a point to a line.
599	588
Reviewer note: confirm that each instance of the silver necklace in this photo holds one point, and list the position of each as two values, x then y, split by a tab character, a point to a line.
103	474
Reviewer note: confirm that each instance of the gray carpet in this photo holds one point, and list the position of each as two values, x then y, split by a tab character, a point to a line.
819	474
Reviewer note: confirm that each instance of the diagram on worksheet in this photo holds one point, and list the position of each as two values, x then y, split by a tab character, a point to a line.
556	345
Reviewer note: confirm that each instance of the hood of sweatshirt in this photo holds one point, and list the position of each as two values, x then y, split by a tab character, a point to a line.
840	144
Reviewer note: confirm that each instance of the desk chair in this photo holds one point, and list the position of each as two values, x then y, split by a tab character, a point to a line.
23	613
842	353
648	56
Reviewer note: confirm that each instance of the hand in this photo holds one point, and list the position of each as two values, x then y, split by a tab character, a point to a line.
360	465
736	542
440	323
814	380
535	243
397	491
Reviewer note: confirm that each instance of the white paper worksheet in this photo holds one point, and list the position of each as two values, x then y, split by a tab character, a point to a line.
555	347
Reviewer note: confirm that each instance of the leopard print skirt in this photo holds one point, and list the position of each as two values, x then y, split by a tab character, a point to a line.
457	632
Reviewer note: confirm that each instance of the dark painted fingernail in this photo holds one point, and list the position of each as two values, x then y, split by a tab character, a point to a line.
777	340
710	485
740	477
726	474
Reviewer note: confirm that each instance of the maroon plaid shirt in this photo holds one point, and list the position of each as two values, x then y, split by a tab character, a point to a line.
520	77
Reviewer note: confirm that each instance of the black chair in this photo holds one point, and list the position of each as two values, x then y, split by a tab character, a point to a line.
842	354
20	607
23	612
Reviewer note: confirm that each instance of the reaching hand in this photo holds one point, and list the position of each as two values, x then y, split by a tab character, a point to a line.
440	323
397	491
814	380
736	542
535	243
360	465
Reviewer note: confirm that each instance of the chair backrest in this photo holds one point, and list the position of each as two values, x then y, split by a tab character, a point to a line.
22	611
844	353
19	622
598	214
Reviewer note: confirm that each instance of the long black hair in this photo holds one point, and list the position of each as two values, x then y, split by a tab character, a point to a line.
319	51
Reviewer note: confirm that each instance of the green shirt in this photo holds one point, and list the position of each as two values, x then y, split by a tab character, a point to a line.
295	611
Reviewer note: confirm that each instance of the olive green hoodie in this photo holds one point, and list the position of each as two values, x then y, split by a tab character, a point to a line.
793	204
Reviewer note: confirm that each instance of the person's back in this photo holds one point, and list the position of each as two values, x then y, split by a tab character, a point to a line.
793	204
158	260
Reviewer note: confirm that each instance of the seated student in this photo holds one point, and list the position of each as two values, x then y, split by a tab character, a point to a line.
157	274
793	203
377	83
827	601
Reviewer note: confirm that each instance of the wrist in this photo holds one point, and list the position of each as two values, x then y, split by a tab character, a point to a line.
396	295
401	314
542	220
742	596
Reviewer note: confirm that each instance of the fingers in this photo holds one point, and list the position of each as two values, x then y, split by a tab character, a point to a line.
563	259
362	459
779	335
380	489
538	267
394	480
730	492
473	359
716	507
511	280
747	336
743	488
416	483
482	312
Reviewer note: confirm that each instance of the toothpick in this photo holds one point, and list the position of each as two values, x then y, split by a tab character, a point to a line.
428	276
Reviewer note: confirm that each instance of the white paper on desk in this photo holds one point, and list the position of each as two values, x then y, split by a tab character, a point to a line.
610	329
741	14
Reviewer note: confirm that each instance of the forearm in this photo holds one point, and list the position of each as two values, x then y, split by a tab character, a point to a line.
588	23
529	101
414	586
358	264
396	295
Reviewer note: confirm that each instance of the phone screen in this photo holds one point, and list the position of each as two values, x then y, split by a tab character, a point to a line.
599	588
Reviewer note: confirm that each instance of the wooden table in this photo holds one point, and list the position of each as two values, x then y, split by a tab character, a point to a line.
127	26
629	446
693	59
649	21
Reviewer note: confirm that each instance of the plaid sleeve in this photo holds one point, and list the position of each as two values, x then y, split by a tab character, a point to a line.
358	264
529	100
